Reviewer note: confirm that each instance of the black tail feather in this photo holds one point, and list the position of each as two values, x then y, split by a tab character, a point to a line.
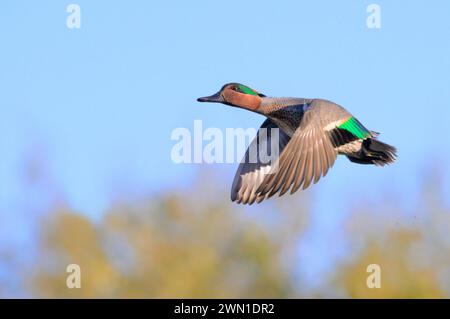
375	152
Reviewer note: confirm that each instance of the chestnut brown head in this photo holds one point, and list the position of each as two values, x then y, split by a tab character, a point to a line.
236	94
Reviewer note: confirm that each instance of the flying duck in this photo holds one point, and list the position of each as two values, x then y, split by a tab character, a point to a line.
312	132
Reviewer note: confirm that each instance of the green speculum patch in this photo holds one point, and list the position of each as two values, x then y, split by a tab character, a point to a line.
357	129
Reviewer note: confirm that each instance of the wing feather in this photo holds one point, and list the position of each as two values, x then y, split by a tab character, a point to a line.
307	157
304	157
249	176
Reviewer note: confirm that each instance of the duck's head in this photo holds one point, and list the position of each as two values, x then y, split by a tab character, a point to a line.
236	94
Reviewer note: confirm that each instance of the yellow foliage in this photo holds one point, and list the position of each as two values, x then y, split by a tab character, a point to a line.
168	248
197	245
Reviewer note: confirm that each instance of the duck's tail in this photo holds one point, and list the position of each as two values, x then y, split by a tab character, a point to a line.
375	152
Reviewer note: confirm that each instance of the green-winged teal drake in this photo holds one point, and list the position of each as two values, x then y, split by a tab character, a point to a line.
312	132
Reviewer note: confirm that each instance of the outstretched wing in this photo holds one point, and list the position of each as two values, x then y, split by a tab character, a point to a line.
309	154
254	166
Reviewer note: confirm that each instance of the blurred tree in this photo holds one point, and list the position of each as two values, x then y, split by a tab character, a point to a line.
193	243
172	247
401	275
413	250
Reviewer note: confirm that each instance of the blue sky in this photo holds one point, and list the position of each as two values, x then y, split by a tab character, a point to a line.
94	107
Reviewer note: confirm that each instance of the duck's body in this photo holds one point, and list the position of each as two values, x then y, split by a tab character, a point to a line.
312	132
287	114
